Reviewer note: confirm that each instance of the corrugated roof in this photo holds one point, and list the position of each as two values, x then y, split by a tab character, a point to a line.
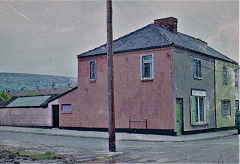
152	36
39	92
29	101
35	100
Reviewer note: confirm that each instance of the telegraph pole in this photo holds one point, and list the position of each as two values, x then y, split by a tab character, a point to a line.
111	121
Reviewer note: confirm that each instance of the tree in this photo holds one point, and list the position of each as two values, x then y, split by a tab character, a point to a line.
4	96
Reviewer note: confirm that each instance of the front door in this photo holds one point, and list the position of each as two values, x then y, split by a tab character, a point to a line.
179	111
55	115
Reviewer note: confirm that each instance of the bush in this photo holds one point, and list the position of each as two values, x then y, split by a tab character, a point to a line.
4	95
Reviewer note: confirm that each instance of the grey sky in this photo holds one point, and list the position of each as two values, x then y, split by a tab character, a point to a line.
45	36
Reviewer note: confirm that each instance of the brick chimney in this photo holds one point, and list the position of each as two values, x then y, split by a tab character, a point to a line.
169	23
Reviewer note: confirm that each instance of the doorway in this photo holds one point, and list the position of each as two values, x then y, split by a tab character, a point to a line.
55	109
179	111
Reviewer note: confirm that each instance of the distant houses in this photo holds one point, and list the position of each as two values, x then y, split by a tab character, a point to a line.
165	82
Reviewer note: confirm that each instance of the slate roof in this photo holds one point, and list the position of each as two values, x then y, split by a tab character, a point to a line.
33	101
154	36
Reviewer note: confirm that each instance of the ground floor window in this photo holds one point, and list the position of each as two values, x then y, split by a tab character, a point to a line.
200	111
66	107
226	108
236	104
199	108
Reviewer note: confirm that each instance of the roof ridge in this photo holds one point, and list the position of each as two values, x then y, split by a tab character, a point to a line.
157	31
124	36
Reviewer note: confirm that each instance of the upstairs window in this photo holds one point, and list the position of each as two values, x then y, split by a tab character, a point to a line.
197	72
226	108
236	77
224	69
66	107
92	70
147	70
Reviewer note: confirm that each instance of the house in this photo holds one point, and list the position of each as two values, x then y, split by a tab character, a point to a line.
33	108
164	82
227	93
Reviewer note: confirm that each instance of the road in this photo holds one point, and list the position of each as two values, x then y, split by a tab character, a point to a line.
219	150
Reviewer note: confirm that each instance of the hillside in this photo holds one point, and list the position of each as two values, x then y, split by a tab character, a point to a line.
15	81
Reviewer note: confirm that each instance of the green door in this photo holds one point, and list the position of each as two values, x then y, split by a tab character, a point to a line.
179	124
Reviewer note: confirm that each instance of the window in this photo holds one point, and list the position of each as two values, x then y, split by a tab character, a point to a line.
66	107
224	68
236	77
199	108
92	70
197	72
147	64
226	108
236	104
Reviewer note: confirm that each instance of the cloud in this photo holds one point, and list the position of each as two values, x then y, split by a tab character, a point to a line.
47	35
17	12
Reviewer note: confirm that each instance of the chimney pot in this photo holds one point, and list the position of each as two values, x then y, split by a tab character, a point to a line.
53	85
169	23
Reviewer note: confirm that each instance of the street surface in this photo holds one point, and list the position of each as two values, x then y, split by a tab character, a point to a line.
219	150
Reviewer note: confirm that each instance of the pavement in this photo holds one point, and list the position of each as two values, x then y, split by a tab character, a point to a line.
120	136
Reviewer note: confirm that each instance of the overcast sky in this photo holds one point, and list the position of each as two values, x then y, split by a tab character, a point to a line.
44	37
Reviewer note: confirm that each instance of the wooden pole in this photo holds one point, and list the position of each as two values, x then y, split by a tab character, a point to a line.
111	122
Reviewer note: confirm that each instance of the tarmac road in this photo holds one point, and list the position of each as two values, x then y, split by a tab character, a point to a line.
219	150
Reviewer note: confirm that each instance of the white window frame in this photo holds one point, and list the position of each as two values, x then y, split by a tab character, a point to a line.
204	109
151	69
95	68
194	68
201	94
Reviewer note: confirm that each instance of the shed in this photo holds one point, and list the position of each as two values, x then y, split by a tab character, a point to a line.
32	111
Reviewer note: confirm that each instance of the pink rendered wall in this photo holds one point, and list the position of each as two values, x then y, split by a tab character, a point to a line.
27	116
134	99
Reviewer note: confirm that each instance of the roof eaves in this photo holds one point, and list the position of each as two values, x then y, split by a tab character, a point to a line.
138	49
230	60
40	106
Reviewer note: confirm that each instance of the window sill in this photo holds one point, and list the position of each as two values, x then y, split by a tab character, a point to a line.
228	117
145	80
200	124
197	78
92	81
66	112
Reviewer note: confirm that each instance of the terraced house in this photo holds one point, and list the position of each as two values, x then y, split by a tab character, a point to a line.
227	98
165	82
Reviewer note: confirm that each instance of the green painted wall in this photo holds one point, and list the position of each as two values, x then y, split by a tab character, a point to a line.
229	91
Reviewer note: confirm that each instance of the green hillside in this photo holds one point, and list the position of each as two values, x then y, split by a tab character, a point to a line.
16	81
